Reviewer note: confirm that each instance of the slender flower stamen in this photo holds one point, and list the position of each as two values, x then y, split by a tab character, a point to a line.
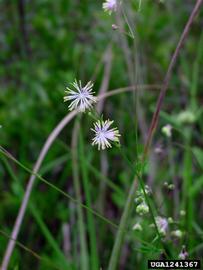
103	135
81	97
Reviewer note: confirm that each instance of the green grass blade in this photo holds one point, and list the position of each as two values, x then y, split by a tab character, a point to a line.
90	219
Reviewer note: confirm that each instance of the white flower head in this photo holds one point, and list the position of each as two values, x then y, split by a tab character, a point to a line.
167	130
110	6
137	227
81	97
142	209
177	233
162	224
103	135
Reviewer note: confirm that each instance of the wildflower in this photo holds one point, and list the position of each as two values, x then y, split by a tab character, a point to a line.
110	6
182	213
147	190
162	225
171	187
177	233
183	254
81	97
170	220
142	209
114	26
139	199
166	130
104	135
137	227
166	184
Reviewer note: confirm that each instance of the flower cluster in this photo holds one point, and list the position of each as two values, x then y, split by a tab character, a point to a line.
142	208
82	99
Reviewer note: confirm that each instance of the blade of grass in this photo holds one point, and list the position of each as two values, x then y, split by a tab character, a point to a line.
122	228
114	225
47	234
84	264
196	187
33	253
4	152
104	178
90	219
124	219
53	135
50	239
187	184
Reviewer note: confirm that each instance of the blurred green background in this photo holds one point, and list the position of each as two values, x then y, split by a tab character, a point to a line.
45	45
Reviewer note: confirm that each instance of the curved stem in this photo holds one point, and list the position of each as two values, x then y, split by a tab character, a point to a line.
167	78
53	135
124	218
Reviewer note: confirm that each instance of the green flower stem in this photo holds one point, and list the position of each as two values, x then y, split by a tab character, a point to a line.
122	227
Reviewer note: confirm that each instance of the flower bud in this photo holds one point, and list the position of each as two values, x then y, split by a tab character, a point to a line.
167	130
142	209
177	233
137	227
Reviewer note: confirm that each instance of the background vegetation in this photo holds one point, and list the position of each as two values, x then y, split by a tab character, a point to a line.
45	45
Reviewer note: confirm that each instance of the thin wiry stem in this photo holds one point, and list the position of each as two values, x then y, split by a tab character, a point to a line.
29	187
53	135
124	219
167	78
30	251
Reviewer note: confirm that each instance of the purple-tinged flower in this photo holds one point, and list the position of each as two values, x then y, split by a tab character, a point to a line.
162	224
81	97
183	254
104	135
110	6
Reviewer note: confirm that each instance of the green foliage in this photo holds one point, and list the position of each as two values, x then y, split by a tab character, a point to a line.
45	45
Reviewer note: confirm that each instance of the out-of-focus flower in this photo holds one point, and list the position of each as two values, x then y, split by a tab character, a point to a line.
162	225
110	6
137	227
81	97
103	135
170	220
114	26
171	187
142	209
183	254
177	233
167	130
182	213
140	193
186	117
147	190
